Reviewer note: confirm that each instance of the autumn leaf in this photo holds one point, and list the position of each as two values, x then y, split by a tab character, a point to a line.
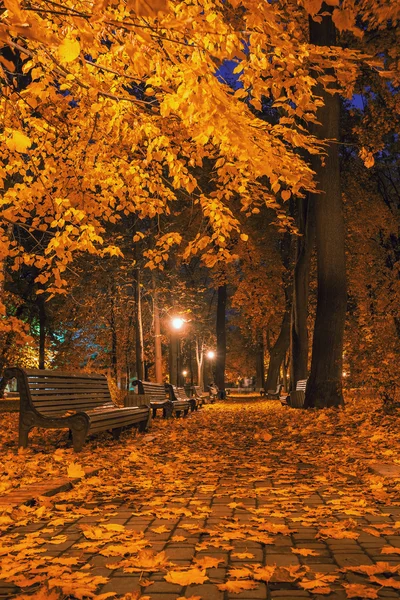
264	573
320	581
390	550
236	587
358	590
389	582
304	552
18	141
161	529
75	471
187	577
240	573
68	50
242	555
208	562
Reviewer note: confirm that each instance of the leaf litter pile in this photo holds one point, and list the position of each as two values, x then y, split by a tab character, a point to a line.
239	500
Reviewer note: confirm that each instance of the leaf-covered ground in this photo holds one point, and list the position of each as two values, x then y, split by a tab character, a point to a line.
242	499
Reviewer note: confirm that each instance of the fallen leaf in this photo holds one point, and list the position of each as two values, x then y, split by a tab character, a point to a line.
358	590
236	587
187	577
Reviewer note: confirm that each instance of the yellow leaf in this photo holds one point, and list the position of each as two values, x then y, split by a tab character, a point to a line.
69	50
18	141
264	573
305	552
244	237
242	555
161	529
390	550
285	194
186	577
114	527
178	538
358	590
75	470
237	586
208	562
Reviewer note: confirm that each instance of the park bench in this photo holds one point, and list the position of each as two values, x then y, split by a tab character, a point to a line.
159	397
178	394
79	402
272	394
180	404
296	398
202	397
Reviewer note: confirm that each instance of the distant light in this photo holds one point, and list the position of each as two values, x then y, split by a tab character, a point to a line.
345	374
184	373
177	323
211	354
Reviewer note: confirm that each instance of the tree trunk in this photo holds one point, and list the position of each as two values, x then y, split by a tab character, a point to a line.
324	387
221	338
157	339
138	328
42	331
278	352
113	339
200	363
260	372
298	326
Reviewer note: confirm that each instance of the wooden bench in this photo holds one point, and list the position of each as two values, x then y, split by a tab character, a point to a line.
201	397
178	395
272	394
76	401
159	397
296	398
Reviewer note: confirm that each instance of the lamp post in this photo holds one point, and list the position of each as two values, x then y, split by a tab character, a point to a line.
208	370
176	326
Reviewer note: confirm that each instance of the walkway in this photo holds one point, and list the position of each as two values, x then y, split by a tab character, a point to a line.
246	500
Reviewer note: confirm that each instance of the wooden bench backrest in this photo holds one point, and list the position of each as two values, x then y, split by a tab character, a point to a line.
157	391
197	390
180	393
301	385
56	392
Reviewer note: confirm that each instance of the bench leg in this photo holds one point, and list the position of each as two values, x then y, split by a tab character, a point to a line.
186	412
26	423
155	413
79	430
193	405
78	439
23	436
116	433
167	412
145	425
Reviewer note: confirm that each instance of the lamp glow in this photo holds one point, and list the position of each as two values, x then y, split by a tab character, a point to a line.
211	354
177	323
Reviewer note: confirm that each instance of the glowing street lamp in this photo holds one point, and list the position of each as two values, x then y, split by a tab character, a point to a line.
211	354
176	325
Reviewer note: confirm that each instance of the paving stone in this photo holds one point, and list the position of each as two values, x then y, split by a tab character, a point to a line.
281	560
346	560
289	594
181	554
122	585
164	587
258	593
